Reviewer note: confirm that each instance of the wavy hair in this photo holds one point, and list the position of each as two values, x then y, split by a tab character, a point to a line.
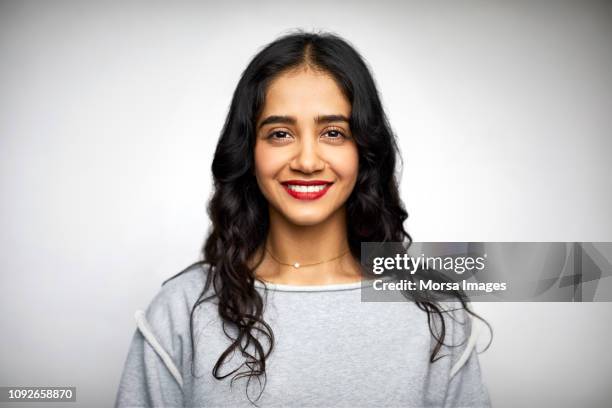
239	212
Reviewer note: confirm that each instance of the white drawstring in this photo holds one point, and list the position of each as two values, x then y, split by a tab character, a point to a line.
146	331
475	332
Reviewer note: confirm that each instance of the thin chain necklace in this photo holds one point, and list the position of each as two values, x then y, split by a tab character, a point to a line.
298	265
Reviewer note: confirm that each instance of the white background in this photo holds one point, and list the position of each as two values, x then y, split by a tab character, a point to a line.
110	113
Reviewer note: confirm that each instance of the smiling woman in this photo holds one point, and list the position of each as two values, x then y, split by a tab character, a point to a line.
304	172
306	166
303	151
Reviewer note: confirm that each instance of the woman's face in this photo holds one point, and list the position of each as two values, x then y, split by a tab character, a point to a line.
306	161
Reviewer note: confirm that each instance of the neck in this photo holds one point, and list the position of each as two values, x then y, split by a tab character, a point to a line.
312	244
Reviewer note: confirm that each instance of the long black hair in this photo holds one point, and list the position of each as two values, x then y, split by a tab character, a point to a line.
239	212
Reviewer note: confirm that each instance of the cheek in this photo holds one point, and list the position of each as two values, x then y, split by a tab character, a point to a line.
267	163
345	164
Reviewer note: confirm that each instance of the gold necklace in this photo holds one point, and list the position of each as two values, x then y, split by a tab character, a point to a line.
298	265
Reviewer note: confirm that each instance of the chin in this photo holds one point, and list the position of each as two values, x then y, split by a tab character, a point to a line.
304	219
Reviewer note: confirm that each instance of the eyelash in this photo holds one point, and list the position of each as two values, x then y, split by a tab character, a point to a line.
340	132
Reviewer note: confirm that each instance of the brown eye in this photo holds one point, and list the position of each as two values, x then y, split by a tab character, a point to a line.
335	135
279	137
279	133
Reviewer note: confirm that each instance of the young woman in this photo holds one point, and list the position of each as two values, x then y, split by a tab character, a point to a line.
304	171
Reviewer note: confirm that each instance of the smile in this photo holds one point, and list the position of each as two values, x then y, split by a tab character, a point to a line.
306	190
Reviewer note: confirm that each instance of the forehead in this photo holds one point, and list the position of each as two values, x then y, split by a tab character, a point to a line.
305	93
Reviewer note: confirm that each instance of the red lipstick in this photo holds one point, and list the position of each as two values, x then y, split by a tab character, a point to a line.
306	189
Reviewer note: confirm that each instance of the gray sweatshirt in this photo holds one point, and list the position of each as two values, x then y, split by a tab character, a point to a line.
331	350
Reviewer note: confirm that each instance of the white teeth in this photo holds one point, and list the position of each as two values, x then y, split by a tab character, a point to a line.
306	189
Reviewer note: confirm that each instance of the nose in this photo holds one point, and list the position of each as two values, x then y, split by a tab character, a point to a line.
307	158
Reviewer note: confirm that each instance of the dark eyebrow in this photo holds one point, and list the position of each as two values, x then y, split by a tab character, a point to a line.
330	118
290	120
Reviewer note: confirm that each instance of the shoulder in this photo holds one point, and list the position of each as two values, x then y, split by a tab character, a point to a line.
173	302
162	336
458	322
166	320
185	285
